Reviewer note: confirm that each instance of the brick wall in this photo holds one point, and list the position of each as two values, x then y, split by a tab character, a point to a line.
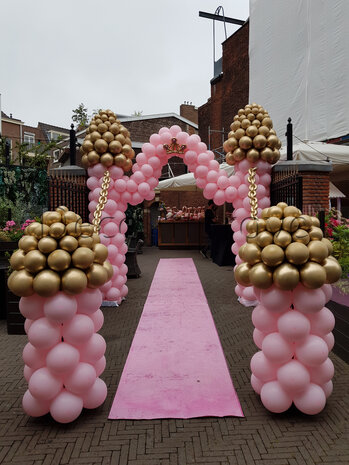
189	112
142	129
316	188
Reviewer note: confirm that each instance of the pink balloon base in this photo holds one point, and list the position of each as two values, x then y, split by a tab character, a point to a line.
64	356
293	330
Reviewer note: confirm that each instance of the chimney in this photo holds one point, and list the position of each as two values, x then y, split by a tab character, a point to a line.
189	111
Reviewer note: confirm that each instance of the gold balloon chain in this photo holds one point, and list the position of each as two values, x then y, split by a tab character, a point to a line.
252	192
103	197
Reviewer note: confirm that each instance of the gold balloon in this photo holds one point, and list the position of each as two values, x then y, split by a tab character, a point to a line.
313	275
272	255
229	158
95	135
255	226
107	160
282	205
239	154
265	213
305	222
261	276
93	157
102	128
241	274
282	238
315	234
120	160
315	221
275	211
273	224
328	244
83	257
86	229
101	253
68	243
30	228
291	211
266	154
96	238
245	142
245	123
127	150
251	131
108	136
115	147
318	251
252	155
47	245
286	277
109	269
27	243
21	283
41	230
97	275
69	217
264	131
17	260
251	238
290	224
235	125
259	142
332	269
47	283
267	122
59	260
34	261
74	281
301	236
264	238
101	146
114	129
272	141
127	166
51	217
297	253
251	254
86	241
121	138
87	146
256	123
73	229
57	230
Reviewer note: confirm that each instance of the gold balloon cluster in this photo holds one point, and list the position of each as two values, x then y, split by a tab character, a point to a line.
252	136
285	247
61	253
108	142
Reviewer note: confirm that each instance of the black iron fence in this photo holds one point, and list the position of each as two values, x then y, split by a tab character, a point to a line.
287	186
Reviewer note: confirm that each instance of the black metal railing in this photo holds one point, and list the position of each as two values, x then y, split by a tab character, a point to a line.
287	187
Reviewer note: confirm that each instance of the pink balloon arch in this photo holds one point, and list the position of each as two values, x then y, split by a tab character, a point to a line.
140	186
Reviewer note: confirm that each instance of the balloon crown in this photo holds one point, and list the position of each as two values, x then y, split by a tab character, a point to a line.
61	253
285	247
174	147
108	142
252	137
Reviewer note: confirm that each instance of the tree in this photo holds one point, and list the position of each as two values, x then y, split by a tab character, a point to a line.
80	116
137	113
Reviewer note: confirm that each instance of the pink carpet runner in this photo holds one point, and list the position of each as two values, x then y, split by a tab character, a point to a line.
176	367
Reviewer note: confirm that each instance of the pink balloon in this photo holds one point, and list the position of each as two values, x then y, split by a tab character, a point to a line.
165	137
256	384
276	300
277	349
110	207
27	372
81	379
210	190
138	177
234	181
238	260
141	159
93	349
248	293
213	165
313	351
322	322
98	319
78	330
311	401
246	203
264	202
44	385
261	192
148	149
100	365
274	398
132	186
110	229
190	157
263	368
258	338
239	237
219	197
329	339
32	307
43	334
201	171
246	177
89	300
308	300
327	388
263	166
235	225
238	290
97	170
92	183
33	357
113	294
112	251
212	177
323	373
243	165
118	240
193	141
124	291
264	320
34	407
293	377
62	358
60	307
235	249
237	204
153	182
155	139
123	248
327	290
182	138
154	162
203	147
92	206
96	395
201	183
123	227
120	185
230	193
105	240
66	407
116	172
242	191
105	288
144	188
136	199
265	179
293	326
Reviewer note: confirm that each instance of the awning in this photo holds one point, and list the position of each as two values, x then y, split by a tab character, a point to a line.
335	193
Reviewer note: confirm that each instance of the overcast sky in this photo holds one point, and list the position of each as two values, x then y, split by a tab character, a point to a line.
129	55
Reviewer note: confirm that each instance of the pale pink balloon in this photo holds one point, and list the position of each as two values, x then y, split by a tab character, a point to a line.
43	333
138	177
246	181
190	157
126	197
238	236
33	357
258	338
120	185
153	182
110	229
276	300
141	159
182	138
235	249
219	197
89	301
201	171
148	149
62	358
203	147
116	172
264	202
327	290
32	307
165	137
234	181
132	186
136	199
213	165
96	395
256	384
238	260
193	141
119	259
34	407
236	225
162	154
327	388
238	290
311	401
265	179
243	166
210	190
44	385
329	339
246	203
230	193
124	291
112	251
308	300
27	372
203	158
144	188
201	183
66	407
241	176
274	398
110	207
257	293
105	240
118	280
60	307
123	228
237	204
322	322
81	379
212	177
323	373
97	170
223	182
118	239
242	191
313	351
154	162
264	320
155	139
93	349
277	349
248	293
263	166
293	326
261	192
98	320
150	196
100	365
78	330
92	183
113	294
263	368
105	288
293	377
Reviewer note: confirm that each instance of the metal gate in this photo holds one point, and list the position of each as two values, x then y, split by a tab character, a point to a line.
287	186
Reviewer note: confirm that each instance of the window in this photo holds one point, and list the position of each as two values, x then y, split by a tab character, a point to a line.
55	155
29	138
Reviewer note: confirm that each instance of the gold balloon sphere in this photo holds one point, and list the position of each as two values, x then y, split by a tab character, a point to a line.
275	211
102	127
252	155
120	160
260	116
121	138
256	123
127	150
239	154
92	128
86	241
69	217
114	129
87	146
20	283
318	251
266	154
264	238
245	142
235	125
301	236
74	281
265	214
245	123
239	133
267	122
108	136
101	253
59	260
286	277
46	283
251	254
259	142
27	243
68	243
297	253
109	269
57	230
127	166
273	224
41	230
315	221
86	229
93	157
101	146
34	261
83	257
255	226
332	269
17	260
251	131
107	160
315	234
305	222
242	275
47	244
251	238
241	112
291	211
73	229
30	228
328	244
290	224
96	238
282	238
229	158
50	217
272	255
282	205
261	276
95	135
313	275
264	130
97	275
115	147
272	141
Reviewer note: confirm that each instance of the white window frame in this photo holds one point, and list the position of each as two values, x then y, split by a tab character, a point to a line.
31	135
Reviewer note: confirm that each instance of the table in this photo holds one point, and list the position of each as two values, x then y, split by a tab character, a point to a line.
222	240
181	234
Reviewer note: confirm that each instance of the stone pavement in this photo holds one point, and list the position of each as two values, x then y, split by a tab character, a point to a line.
261	438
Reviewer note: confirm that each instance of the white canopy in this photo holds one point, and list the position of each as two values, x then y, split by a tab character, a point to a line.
187	181
319	152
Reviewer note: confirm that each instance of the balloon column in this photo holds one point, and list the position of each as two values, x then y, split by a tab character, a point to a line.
288	262
58	270
251	142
